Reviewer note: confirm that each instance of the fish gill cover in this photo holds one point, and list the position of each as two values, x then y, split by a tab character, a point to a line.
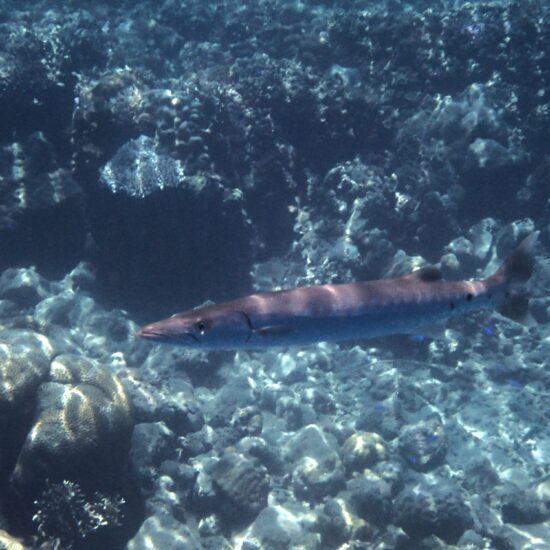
158	154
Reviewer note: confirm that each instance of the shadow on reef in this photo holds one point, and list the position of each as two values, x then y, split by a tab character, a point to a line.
52	239
172	245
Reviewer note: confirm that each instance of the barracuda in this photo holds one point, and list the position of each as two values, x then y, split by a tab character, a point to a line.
311	314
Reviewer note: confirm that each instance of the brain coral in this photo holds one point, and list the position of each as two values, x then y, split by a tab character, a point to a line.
81	428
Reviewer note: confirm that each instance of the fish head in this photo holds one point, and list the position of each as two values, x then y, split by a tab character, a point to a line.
209	328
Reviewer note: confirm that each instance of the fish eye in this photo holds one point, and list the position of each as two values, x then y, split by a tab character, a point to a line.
201	326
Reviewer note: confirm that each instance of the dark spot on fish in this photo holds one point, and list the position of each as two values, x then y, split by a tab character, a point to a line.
469	296
452	305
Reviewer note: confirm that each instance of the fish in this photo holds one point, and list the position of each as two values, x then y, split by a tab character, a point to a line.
354	311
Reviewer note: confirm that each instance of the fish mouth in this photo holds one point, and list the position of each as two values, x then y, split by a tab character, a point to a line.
162	335
150	333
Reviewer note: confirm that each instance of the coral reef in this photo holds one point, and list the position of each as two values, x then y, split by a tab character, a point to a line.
154	155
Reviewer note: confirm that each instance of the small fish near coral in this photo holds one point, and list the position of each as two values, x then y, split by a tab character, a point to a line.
335	313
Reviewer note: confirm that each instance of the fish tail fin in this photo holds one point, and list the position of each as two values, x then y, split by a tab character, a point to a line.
518	267
515	272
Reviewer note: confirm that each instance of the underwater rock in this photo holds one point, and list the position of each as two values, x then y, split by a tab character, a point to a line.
204	496
210	526
247	421
289	371
363	450
310	441
342	229
280	528
145	400
269	455
23	286
181	412
320	399
82	277
111	327
318	471
237	393
270	394
463	250
294	412
479	475
8	310
489	154
164	531
436	509
471	539
511	234
383	417
337	523
151	444
242	486
370	497
395	537
165	497
81	431
393	473
313	481
197	443
523	507
183	475
482	236
423	445
55	309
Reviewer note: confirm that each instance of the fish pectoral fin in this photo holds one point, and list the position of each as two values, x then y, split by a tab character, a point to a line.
274	330
205	304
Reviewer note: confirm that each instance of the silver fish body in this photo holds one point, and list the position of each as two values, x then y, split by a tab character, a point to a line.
335	313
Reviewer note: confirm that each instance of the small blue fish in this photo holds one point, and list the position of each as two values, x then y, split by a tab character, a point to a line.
515	383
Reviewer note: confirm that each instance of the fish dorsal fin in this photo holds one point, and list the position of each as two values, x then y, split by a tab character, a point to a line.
427	274
204	304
